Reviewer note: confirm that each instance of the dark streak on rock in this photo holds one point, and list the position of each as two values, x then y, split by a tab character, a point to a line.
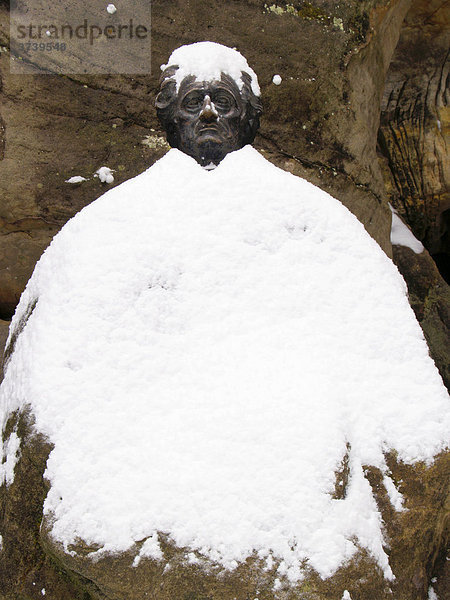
342	476
17	331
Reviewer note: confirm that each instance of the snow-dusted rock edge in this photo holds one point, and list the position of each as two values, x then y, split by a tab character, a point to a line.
205	348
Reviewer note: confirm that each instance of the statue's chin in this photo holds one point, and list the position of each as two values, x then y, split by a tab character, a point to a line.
209	149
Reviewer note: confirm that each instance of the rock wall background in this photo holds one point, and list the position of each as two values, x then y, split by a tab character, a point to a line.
413	151
415	119
362	112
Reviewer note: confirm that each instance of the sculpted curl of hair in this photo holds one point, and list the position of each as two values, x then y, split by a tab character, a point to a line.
166	103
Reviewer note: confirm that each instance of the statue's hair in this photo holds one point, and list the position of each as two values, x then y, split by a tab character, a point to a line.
166	101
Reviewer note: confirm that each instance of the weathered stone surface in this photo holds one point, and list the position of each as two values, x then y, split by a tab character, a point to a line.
24	568
415	123
4	330
441	584
32	561
429	296
412	145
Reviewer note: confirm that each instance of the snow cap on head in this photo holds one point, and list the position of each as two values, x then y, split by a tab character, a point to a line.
207	60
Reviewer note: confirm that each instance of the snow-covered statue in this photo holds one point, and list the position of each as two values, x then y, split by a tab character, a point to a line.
214	112
225	368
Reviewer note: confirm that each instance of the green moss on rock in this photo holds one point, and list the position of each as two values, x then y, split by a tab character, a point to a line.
303	10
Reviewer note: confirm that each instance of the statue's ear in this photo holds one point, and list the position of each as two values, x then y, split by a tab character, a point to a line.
163	99
167	91
166	95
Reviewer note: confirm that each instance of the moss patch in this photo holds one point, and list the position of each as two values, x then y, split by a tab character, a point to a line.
303	10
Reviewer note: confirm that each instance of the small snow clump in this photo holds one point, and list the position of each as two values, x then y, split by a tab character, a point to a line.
76	179
395	496
11	449
276	79
111	9
105	174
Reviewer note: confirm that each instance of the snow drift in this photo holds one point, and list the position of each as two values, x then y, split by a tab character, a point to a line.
204	350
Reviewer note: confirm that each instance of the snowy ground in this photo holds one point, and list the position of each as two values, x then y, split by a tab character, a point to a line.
203	348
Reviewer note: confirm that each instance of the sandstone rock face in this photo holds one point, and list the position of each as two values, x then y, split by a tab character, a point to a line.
414	129
25	570
429	296
412	145
4	329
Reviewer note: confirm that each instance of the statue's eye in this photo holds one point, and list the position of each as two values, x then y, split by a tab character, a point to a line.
193	102
224	102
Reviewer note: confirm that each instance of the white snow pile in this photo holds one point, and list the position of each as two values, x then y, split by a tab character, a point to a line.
207	60
105	174
402	236
203	348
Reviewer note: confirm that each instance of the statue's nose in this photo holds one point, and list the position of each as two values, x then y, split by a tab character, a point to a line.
208	112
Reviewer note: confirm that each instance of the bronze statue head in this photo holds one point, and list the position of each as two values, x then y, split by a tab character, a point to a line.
207	119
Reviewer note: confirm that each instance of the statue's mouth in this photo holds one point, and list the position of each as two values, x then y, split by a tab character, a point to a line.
208	127
210	132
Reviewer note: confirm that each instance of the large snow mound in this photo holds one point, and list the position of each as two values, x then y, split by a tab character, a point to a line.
204	349
207	60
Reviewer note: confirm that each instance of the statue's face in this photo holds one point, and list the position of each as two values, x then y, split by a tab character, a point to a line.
207	119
